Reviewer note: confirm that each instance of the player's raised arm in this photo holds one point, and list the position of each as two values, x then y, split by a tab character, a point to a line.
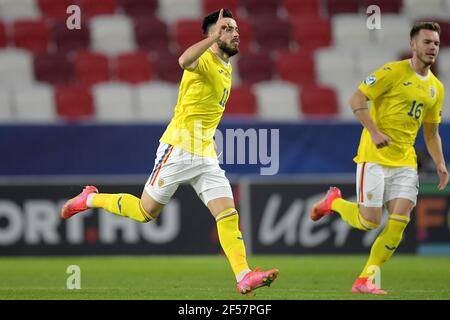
189	59
358	103
434	147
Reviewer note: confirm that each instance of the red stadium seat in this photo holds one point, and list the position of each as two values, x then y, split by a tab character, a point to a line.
303	7
74	102
67	40
261	7
91	68
255	67
188	32
271	33
138	8
33	35
296	67
386	6
214	5
3	39
342	6
134	67
311	32
167	67
317	101
53	68
55	8
245	34
90	8
151	34
242	101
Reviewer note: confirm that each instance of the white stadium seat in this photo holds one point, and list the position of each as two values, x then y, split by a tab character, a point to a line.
112	34
334	65
156	100
394	32
34	103
443	62
171	10
419	9
277	100
369	59
18	9
114	102
5	105
16	67
350	30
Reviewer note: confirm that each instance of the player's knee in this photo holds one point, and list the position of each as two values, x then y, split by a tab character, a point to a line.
370	222
149	213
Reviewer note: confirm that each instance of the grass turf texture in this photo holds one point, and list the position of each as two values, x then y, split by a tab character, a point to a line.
210	277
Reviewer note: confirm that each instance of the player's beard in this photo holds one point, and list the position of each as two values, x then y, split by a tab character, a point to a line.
229	50
425	61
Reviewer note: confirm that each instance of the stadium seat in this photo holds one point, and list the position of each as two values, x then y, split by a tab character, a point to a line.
302	8
151	34
56	9
167	68
91	68
344	91
113	102
296	67
74	102
33	35
444	65
335	65
67	40
112	34
3	38
311	32
53	68
245	34
394	33
138	8
317	101
173	10
188	32
277	100
271	33
369	59
418	9
341	6
34	103
386	6
134	67
214	5
261	7
16	67
242	102
91	8
156	101
350	30
5	105
255	67
11	10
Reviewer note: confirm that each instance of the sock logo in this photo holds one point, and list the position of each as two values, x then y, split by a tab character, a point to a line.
118	204
390	248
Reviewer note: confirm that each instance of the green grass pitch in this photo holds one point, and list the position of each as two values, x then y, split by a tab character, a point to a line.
210	277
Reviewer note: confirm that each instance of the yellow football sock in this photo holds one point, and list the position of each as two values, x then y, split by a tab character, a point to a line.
231	240
386	243
349	212
122	204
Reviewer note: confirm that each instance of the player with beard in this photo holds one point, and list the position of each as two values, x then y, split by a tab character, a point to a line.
186	153
404	95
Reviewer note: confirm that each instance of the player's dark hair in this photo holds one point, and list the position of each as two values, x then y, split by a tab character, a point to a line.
433	26
211	19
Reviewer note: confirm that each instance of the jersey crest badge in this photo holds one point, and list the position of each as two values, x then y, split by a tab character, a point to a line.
370	80
432	92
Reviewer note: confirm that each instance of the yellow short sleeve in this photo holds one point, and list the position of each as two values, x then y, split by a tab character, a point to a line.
378	82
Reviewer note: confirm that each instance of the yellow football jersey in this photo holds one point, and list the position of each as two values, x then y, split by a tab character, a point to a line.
401	101
202	96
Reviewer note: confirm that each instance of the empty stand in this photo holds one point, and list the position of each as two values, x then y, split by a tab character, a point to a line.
5	105
318	101
74	102
188	32
419	9
56	9
91	68
113	102
350	30
168	69
91	8
53	68
14	9
34	103
341	6
173	10
333	66
255	67
386	6
151	34
242	102
32	35
296	67
112	34
134	67
156	101
214	5
311	32
271	33
69	40
3	39
261	7
138	8
16	67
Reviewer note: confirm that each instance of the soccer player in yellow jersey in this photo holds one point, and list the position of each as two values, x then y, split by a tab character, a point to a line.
186	153
404	94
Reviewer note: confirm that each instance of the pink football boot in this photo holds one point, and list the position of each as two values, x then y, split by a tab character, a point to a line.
77	204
